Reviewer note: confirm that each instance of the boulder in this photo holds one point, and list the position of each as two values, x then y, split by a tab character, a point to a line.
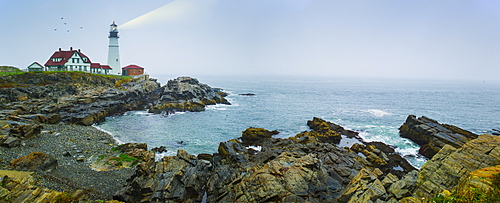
26	131
9	141
35	161
320	125
252	136
432	136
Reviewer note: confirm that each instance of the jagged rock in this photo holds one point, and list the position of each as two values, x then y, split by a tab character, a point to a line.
364	187
389	179
432	136
205	156
26	131
283	170
447	167
175	178
9	141
187	94
33	162
20	186
320	125
72	97
372	154
252	136
52	119
402	188
160	149
127	147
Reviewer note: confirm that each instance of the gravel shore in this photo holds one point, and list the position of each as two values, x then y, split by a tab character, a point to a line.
72	146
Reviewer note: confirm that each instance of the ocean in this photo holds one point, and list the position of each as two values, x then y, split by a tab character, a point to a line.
375	108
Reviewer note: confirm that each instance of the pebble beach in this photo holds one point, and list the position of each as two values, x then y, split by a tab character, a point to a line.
72	146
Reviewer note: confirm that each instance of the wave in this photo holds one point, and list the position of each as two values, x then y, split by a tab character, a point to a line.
159	156
109	133
221	107
378	112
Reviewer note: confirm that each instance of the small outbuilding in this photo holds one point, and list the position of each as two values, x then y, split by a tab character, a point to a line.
99	68
35	66
132	70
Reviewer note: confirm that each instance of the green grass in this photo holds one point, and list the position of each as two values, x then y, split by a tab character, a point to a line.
9	70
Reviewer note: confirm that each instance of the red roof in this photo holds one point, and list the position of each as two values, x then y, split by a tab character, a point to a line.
105	67
98	65
65	55
39	64
132	67
95	65
36	63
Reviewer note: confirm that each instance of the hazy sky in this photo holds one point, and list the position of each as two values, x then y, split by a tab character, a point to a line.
451	39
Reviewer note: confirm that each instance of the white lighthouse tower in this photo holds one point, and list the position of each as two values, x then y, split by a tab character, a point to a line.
113	52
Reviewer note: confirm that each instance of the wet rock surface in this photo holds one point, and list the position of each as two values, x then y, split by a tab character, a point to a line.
186	94
283	170
450	165
433	136
81	164
71	97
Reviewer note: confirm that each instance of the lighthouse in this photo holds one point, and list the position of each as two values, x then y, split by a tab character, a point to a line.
113	52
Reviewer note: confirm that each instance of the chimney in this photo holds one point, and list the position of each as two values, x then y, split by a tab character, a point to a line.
79	50
60	49
71	48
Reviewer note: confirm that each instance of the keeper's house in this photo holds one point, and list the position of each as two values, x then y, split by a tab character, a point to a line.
72	60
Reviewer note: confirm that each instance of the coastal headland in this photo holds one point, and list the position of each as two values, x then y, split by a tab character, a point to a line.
50	152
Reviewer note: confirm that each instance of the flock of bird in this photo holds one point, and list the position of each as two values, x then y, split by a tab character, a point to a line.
65	24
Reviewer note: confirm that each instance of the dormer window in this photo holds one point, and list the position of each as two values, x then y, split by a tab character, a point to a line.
56	59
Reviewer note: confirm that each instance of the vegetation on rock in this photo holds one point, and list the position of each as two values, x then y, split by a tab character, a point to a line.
9	70
482	185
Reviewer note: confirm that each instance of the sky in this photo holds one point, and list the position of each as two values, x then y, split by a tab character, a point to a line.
426	39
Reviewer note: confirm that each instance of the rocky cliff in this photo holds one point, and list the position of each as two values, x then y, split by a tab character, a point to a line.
313	166
71	97
309	167
187	94
85	99
451	165
433	136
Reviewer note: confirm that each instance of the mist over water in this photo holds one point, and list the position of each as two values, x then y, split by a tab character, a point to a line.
374	108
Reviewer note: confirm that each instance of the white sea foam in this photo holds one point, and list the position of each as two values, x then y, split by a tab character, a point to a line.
102	130
378	112
256	148
221	107
142	113
407	151
159	156
109	133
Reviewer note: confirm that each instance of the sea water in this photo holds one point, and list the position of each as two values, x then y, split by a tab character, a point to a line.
374	108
